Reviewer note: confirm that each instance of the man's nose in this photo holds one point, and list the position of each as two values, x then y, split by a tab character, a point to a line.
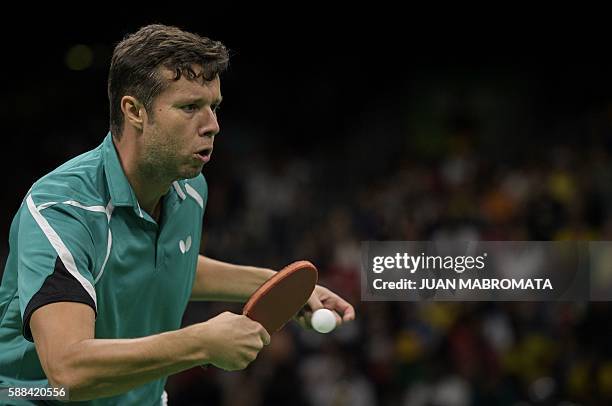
210	124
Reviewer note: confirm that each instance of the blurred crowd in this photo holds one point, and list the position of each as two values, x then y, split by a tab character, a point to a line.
414	156
456	181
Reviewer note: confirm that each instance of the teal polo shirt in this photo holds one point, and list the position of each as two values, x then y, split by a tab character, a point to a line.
81	236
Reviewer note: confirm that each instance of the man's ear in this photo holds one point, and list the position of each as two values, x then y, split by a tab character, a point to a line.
133	111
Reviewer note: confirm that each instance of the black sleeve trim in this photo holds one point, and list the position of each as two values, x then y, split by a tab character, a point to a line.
60	286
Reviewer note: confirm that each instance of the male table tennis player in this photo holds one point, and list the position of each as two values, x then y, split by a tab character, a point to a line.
104	249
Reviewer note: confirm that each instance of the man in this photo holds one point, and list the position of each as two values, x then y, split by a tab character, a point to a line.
103	251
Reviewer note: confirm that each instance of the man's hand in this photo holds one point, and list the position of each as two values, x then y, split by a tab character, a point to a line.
231	341
324	298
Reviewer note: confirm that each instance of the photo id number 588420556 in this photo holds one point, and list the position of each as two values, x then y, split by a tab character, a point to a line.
33	393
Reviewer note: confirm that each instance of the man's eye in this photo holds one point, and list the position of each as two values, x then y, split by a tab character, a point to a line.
190	107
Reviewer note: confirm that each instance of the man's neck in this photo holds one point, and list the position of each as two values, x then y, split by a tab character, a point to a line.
147	188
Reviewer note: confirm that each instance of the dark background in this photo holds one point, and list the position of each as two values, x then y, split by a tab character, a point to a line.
336	130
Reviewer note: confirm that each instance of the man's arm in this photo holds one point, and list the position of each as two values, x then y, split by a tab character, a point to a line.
91	368
216	280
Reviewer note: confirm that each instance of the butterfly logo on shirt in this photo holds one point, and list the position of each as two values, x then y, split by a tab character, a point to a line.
184	246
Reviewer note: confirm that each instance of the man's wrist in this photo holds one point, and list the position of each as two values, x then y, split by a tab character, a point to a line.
194	339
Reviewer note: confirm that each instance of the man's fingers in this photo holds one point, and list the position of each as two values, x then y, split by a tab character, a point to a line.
349	313
301	320
324	298
344	308
263	333
314	302
265	336
338	318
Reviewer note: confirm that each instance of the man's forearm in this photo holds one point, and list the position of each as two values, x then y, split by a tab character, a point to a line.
96	368
217	280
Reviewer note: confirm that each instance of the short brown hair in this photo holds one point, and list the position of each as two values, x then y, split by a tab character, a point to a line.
136	60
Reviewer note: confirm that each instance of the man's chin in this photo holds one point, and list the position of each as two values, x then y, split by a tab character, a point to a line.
191	172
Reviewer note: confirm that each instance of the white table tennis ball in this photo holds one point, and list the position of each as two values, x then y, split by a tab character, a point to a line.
323	320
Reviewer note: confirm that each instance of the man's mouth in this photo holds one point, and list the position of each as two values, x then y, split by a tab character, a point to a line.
204	154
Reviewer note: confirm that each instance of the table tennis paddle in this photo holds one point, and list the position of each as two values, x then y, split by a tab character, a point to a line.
278	299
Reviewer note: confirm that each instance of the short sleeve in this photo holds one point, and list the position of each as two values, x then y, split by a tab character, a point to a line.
55	259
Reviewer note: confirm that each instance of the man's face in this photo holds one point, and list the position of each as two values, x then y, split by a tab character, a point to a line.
180	131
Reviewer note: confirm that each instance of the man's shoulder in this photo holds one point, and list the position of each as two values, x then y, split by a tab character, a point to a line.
80	179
